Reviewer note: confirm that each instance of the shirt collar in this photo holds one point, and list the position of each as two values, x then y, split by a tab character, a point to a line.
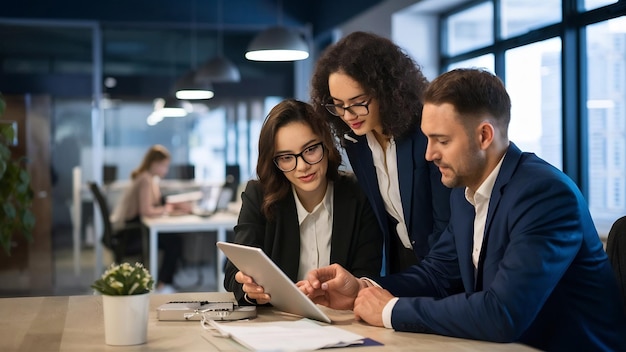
326	203
485	189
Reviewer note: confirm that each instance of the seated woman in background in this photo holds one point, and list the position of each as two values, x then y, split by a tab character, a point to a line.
302	211
143	198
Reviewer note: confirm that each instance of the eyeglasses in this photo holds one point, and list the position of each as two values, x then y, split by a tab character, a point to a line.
358	109
311	155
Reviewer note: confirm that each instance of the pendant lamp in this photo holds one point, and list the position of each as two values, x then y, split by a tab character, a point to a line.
219	68
163	108
277	44
189	88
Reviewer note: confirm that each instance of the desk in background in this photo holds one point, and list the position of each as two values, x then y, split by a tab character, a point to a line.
76	323
113	192
220	222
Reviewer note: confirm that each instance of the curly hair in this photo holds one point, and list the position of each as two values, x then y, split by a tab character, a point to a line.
274	183
383	70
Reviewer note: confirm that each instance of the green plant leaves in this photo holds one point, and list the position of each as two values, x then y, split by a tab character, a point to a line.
16	195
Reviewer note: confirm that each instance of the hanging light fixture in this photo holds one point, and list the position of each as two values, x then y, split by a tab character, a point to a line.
278	44
188	87
163	108
219	68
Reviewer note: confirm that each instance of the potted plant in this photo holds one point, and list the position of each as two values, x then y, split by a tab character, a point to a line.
125	290
16	196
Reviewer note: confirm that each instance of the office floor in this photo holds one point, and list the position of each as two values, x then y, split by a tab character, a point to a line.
190	277
195	273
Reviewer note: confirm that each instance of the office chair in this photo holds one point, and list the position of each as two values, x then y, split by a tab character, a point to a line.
119	242
616	251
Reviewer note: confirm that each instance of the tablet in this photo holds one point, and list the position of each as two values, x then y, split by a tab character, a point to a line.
285	295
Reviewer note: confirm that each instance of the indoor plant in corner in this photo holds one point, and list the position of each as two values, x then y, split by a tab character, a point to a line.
16	196
125	290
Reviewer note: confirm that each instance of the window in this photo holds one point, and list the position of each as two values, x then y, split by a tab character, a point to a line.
522	16
606	118
533	80
470	29
485	61
569	109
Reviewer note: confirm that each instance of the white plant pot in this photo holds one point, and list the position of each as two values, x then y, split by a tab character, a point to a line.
126	319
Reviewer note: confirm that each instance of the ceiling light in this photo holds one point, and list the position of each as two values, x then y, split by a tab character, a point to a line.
277	44
218	69
163	108
188	88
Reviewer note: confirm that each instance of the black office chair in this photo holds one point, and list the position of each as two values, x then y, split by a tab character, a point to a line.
120	241
616	250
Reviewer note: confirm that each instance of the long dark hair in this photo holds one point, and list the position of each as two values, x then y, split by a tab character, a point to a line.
386	73
273	181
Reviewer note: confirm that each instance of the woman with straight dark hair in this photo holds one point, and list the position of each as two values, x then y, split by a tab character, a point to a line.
302	211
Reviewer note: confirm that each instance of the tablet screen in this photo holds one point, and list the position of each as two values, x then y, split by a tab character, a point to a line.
284	294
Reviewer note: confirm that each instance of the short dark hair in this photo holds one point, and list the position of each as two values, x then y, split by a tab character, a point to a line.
273	181
472	92
386	73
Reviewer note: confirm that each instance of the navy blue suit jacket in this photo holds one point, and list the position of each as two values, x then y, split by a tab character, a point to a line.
543	278
425	200
356	241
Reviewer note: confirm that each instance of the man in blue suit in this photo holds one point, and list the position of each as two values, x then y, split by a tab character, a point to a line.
520	259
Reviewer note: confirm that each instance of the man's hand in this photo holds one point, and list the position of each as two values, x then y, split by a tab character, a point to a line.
251	288
331	286
370	303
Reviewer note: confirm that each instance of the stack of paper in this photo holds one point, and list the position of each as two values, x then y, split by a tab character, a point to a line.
183	197
304	334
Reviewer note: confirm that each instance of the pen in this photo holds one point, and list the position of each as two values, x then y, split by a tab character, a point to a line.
218	328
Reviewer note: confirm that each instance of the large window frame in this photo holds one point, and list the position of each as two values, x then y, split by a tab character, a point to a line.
571	31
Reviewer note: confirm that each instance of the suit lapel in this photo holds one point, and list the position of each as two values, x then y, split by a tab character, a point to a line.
363	165
509	164
463	235
344	207
287	237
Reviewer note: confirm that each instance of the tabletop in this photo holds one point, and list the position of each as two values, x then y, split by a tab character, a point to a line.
75	323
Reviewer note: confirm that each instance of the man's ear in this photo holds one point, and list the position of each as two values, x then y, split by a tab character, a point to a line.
486	133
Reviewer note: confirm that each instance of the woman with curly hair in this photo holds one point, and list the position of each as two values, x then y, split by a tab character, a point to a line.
371	91
302	211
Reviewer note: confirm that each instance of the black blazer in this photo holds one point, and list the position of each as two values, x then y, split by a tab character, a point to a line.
356	241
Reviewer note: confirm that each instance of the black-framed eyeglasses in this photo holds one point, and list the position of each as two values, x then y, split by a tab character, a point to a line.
358	109
311	155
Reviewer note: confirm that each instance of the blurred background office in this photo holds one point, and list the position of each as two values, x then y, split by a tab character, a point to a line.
89	81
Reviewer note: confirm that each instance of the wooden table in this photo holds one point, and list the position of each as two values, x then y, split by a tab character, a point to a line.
75	323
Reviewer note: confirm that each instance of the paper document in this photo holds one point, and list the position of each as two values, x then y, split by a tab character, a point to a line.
184	197
304	334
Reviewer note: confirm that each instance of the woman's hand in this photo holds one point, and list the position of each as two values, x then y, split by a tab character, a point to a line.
252	290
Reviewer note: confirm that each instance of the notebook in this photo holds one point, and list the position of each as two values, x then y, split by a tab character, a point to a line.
285	295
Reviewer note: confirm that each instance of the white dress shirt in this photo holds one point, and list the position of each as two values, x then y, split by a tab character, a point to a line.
315	233
388	184
480	201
